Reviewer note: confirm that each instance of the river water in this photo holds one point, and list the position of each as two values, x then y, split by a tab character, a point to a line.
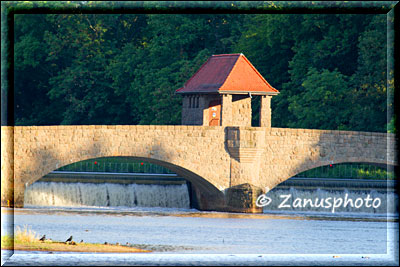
178	235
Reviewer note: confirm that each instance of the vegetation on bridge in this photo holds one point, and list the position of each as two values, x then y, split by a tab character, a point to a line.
124	68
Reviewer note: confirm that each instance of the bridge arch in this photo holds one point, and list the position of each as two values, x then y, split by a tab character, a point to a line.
203	193
36	151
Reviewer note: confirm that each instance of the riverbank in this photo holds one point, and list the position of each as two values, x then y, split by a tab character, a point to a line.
204	235
78	247
27	240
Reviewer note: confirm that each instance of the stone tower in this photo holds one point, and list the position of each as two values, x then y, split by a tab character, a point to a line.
219	93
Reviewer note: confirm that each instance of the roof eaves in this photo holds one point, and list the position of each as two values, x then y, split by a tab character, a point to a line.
247	92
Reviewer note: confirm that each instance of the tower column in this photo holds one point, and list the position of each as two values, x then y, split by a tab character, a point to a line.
204	101
226	112
265	111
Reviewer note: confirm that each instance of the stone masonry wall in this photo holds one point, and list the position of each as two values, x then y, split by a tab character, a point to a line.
192	110
241	110
213	159
40	150
196	114
226	110
7	165
265	111
291	151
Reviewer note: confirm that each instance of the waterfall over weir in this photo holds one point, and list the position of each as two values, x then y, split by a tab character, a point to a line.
107	195
323	200
334	195
294	195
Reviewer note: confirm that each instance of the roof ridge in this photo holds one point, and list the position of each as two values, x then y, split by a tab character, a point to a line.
259	74
230	72
225	55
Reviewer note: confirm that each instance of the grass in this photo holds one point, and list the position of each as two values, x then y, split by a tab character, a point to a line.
26	239
25	235
7	241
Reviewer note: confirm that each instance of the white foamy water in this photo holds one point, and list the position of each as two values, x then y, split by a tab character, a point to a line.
177	196
322	200
106	195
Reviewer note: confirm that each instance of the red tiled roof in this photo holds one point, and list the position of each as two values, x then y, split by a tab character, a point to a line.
227	73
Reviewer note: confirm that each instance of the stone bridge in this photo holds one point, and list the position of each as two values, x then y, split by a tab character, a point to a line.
228	167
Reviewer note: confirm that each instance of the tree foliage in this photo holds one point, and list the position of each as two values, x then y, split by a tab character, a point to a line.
124	68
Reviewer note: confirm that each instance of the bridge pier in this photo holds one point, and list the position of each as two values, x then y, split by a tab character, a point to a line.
240	198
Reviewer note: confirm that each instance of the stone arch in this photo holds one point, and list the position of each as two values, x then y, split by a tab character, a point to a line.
204	195
261	157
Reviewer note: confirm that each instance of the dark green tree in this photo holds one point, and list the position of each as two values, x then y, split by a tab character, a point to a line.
125	68
32	73
369	82
323	103
267	42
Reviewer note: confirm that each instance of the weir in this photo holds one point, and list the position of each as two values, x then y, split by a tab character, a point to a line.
109	177
298	195
106	195
365	200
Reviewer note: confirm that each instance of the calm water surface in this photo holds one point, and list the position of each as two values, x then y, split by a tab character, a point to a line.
184	236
